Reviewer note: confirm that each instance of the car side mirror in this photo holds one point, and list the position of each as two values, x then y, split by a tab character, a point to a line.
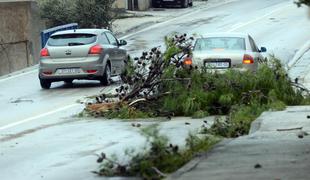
263	49
122	43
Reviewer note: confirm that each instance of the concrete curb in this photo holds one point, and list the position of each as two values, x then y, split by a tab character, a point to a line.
194	162
256	124
299	55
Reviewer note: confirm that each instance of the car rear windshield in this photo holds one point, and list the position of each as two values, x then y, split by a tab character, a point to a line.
220	43
72	39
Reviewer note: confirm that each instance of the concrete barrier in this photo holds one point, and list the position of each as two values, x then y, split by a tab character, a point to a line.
20	26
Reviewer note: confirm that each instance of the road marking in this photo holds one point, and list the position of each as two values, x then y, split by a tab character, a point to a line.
240	25
38	116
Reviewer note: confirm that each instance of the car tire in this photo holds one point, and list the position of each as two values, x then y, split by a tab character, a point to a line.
185	4
106	77
190	4
155	5
68	81
45	84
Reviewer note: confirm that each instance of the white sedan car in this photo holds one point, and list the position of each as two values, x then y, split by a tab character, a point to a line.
227	50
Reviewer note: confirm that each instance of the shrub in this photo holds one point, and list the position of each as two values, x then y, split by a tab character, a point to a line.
88	14
300	2
58	12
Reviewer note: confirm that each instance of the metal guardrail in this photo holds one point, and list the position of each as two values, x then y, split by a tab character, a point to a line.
48	32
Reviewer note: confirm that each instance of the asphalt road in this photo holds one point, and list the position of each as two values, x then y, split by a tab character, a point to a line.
32	117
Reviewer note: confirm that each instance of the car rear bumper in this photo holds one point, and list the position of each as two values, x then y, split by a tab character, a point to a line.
240	67
169	3
48	69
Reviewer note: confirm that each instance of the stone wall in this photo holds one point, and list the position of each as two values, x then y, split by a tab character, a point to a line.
20	27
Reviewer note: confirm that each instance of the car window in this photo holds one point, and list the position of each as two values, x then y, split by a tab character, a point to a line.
112	39
221	43
103	39
253	45
75	39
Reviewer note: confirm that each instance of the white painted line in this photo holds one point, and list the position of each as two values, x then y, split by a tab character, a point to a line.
236	25
240	25
18	75
37	117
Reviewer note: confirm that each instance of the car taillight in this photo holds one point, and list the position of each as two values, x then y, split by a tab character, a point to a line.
44	52
47	72
92	71
247	59
188	61
97	49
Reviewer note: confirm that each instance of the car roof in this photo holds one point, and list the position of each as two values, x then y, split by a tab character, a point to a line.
87	31
225	34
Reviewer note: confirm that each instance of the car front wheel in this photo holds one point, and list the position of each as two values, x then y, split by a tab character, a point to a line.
45	84
106	78
185	4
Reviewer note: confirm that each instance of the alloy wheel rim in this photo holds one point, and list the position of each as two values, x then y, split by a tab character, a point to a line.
108	74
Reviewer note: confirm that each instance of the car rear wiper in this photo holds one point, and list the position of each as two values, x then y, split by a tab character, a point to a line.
75	44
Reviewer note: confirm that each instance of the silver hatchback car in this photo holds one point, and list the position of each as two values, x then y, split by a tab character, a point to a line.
93	54
227	50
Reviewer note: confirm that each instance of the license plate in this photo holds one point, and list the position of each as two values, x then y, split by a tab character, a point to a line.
69	71
217	64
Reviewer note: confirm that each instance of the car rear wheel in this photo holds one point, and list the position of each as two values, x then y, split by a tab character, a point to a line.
45	84
106	78
190	4
68	81
155	5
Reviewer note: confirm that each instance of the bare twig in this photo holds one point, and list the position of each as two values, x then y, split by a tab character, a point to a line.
137	101
290	129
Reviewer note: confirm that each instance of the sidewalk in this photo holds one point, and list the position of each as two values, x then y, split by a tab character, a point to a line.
271	151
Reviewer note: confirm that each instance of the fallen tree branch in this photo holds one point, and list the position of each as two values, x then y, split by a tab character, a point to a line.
290	129
136	101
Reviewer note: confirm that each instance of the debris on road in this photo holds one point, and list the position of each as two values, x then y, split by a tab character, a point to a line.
143	79
257	166
290	129
301	134
19	100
